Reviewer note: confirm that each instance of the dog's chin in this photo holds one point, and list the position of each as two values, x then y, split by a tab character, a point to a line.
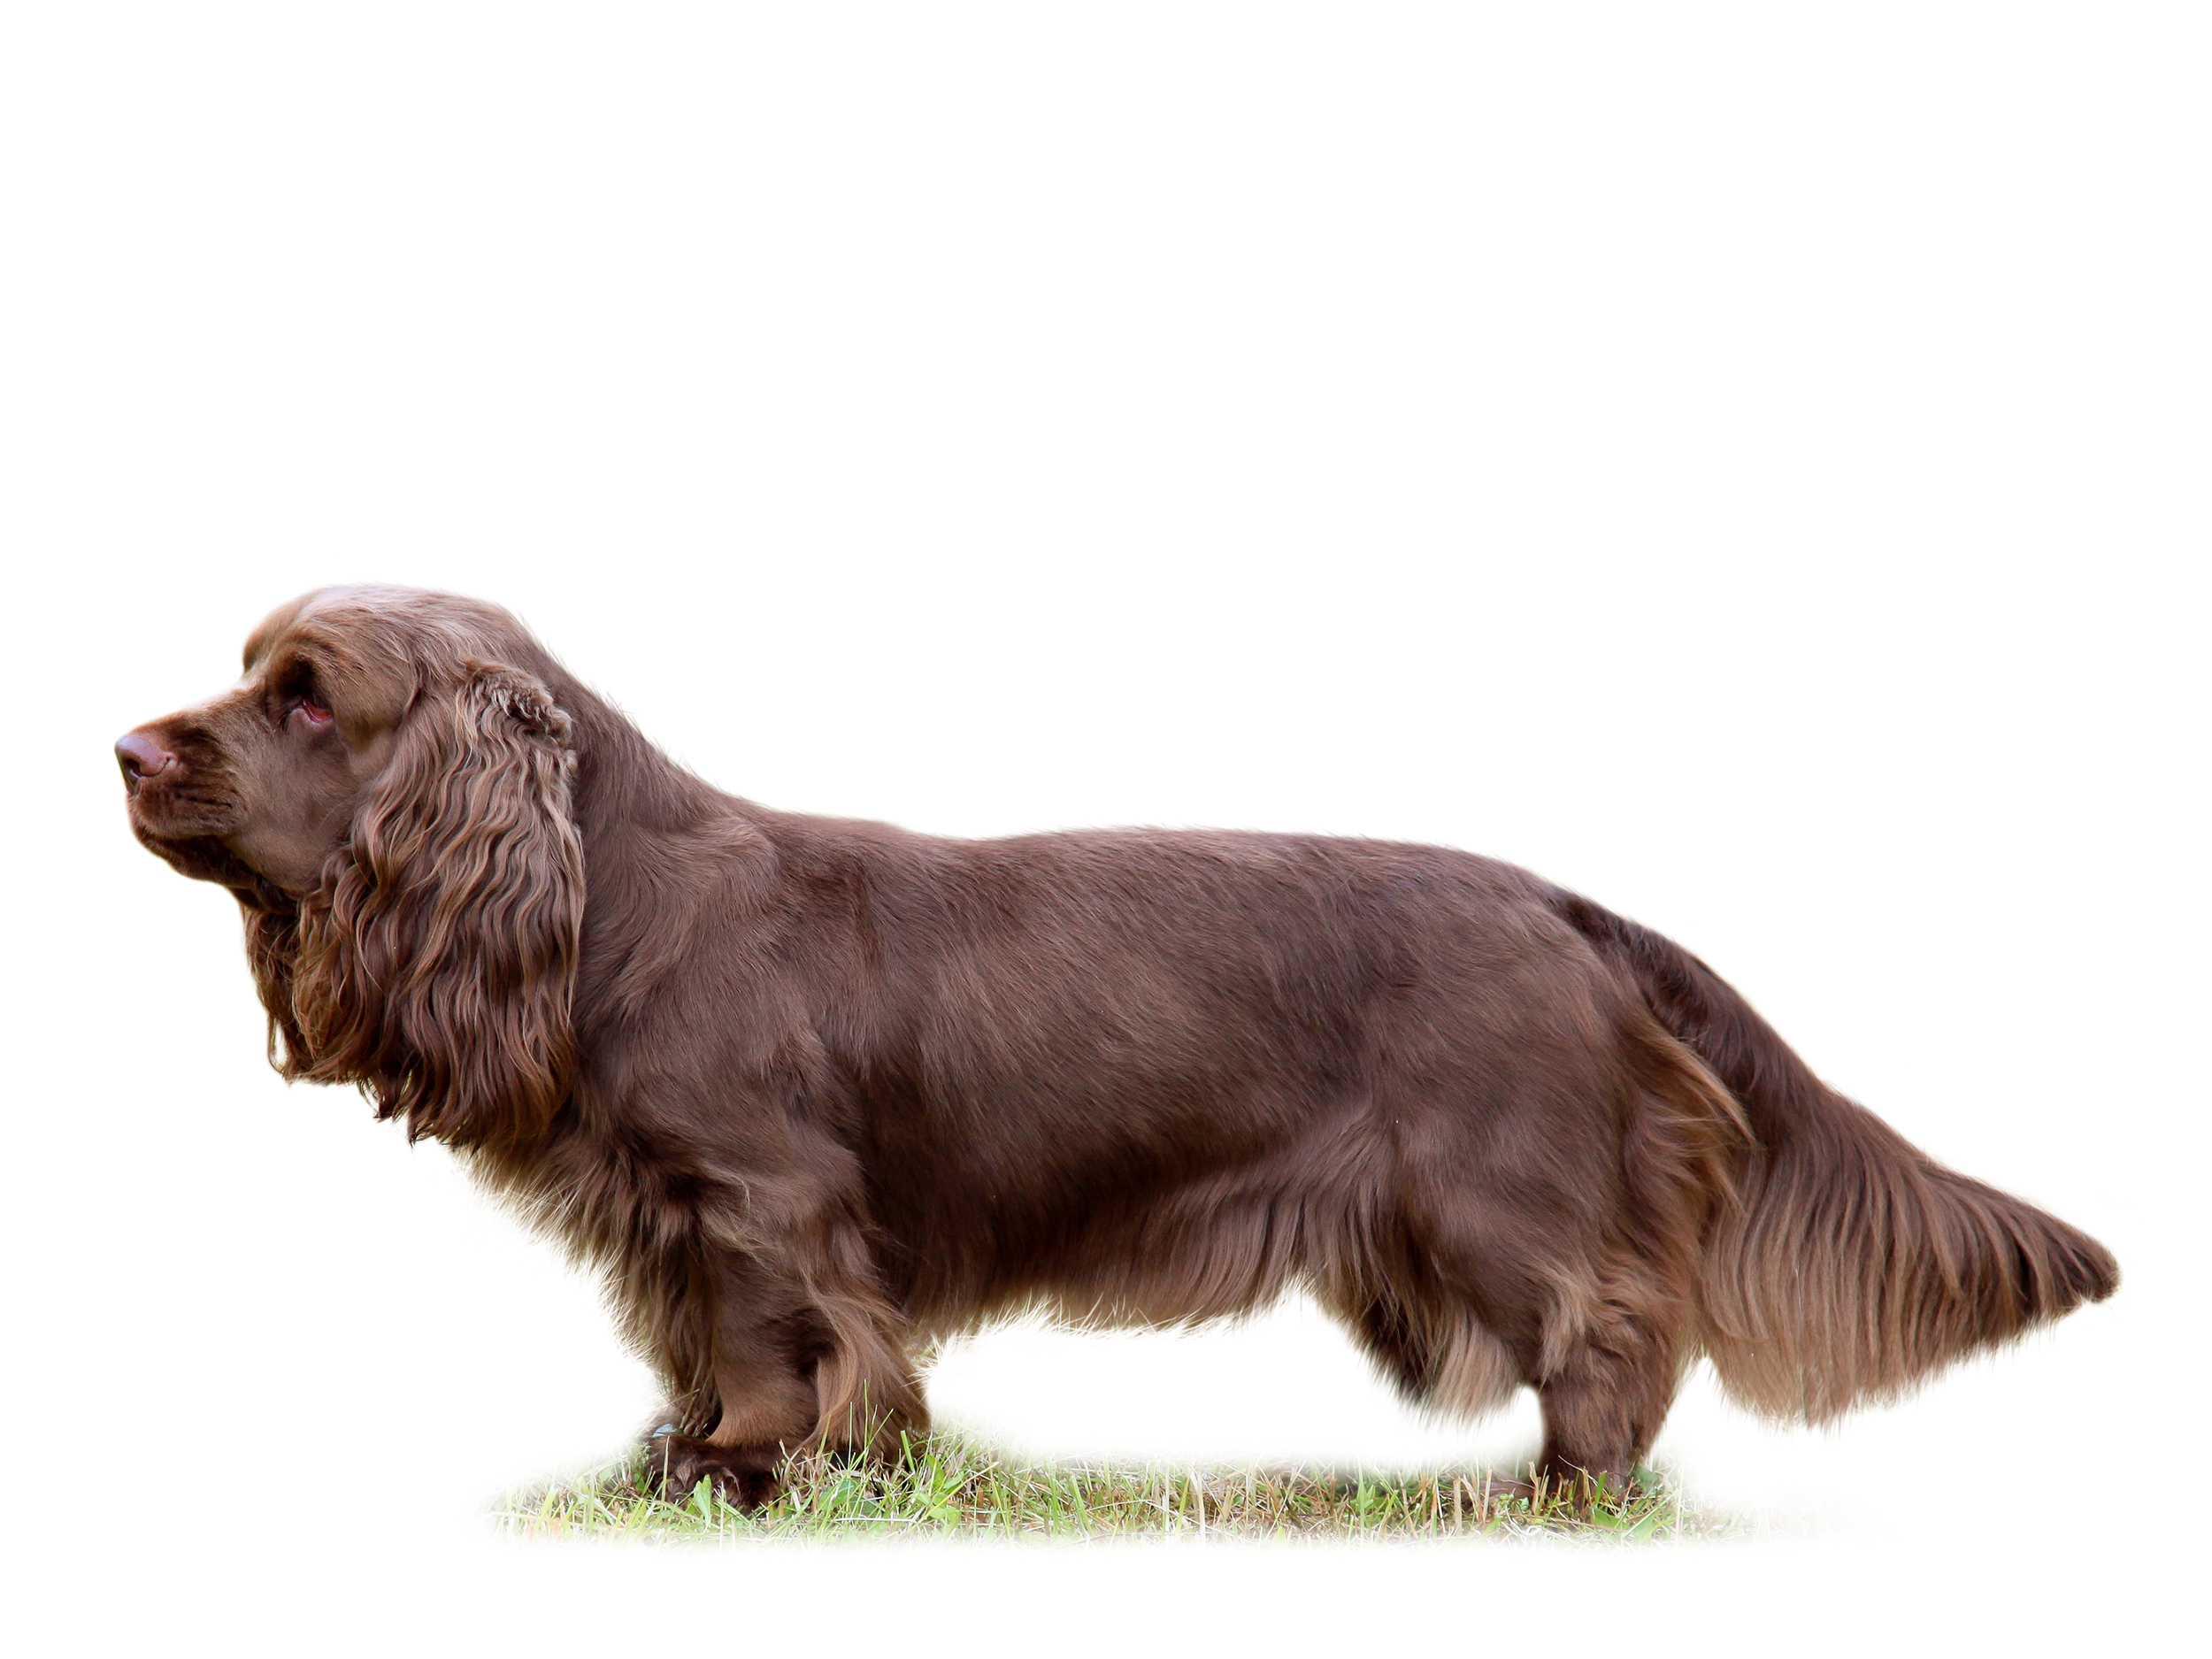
205	858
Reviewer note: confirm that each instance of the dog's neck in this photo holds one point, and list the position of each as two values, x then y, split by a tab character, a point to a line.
624	784
654	835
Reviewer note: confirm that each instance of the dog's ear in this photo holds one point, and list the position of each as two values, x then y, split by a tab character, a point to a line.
435	964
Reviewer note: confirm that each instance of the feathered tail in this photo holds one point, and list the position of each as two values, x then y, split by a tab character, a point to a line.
1853	1265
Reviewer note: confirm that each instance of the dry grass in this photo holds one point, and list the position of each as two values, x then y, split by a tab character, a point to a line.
945	1486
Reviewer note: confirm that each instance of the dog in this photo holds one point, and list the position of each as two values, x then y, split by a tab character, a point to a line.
809	1091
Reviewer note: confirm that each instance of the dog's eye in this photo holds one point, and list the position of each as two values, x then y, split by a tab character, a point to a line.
310	709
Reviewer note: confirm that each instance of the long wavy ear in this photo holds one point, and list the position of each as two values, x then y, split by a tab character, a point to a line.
435	964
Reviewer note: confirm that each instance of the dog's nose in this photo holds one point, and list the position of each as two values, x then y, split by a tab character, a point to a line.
140	758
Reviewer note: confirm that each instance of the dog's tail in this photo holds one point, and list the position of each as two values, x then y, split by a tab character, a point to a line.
1851	1265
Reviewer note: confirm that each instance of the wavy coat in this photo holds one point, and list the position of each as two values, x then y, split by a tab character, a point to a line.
807	1091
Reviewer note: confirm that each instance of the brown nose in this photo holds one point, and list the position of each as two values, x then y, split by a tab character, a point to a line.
141	759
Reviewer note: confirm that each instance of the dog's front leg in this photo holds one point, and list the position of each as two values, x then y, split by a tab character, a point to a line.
756	1400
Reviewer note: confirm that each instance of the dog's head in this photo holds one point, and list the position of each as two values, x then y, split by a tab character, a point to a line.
386	791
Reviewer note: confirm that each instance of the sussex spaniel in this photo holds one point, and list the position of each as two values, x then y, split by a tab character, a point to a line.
806	1089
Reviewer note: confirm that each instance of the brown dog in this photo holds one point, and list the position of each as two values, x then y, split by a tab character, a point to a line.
805	1088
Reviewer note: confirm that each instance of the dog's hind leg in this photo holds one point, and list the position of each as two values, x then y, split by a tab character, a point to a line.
1605	1391
1427	1338
1502	1294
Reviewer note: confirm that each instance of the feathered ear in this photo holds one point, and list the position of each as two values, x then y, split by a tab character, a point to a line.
435	964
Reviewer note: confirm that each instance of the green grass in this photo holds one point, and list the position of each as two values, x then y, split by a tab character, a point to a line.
947	1486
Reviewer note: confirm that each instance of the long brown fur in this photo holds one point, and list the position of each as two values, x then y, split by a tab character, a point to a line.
808	1091
1856	1266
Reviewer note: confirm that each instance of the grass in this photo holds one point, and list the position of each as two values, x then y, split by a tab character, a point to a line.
945	1486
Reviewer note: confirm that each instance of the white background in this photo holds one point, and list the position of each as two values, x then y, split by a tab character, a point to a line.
1746	463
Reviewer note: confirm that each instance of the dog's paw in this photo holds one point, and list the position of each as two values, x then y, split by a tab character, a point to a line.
744	1476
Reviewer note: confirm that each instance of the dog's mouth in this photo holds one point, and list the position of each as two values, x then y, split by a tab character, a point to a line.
181	824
